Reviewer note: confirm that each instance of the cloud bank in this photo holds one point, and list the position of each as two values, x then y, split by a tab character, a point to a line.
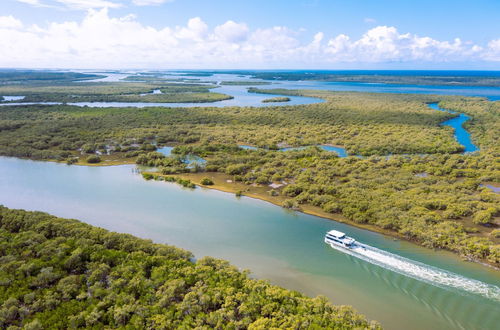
91	4
101	41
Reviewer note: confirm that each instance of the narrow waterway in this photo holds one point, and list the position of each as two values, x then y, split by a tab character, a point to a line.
400	284
241	97
282	246
461	134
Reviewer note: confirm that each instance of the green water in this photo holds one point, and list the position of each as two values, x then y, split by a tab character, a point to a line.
286	248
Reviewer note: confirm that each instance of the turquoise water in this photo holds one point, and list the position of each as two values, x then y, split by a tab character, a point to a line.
285	247
276	244
461	135
338	150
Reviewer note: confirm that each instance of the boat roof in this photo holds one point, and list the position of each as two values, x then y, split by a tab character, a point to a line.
336	233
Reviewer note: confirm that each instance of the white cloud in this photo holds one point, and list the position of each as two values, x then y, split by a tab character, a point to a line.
101	41
87	4
369	20
339	45
39	3
493	51
386	44
92	4
9	22
150	2
278	37
31	2
196	30
232	32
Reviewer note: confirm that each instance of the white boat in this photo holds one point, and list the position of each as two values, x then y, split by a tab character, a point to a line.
337	238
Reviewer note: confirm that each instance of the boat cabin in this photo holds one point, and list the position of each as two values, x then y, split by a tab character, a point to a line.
339	238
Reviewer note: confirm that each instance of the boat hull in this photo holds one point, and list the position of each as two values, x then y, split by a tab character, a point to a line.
340	245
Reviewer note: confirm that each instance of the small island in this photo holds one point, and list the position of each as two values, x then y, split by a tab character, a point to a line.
276	99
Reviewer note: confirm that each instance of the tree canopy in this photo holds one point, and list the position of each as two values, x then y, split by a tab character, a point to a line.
60	273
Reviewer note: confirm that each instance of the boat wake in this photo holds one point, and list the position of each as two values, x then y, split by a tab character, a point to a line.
422	272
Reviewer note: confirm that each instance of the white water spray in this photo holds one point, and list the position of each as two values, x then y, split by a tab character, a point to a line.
420	271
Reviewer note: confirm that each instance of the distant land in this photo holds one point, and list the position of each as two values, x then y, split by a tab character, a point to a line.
404	77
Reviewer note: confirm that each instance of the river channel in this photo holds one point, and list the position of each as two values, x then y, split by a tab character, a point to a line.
400	284
426	290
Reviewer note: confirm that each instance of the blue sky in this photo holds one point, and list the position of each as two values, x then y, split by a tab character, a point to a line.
251	34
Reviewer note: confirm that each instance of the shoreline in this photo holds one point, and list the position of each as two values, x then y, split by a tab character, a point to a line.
196	178
261	193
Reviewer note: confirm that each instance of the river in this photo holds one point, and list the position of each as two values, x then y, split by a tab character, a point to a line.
461	134
241	96
400	284
394	286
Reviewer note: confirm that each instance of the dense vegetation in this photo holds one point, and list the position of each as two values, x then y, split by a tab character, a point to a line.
57	273
485	125
366	124
188	97
436	200
412	179
22	77
276	99
115	92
